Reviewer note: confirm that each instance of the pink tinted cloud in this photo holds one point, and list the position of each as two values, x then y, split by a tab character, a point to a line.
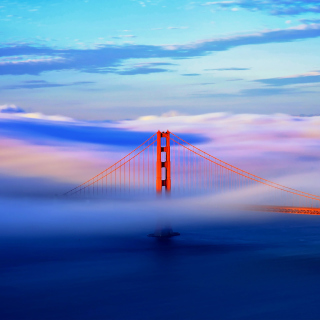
63	164
267	145
279	147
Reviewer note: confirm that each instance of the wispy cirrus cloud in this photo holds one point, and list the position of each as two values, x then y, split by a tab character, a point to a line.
228	69
145	68
105	58
254	92
141	70
269	91
191	74
235	79
310	77
124	36
274	7
310	20
37	84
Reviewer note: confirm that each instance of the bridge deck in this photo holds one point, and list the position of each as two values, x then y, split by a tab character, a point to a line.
285	209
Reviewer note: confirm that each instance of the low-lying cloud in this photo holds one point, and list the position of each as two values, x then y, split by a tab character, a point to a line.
10	108
69	151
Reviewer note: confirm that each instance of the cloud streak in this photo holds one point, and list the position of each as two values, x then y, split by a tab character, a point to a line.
254	92
37	84
190	74
145	68
227	69
310	20
108	58
311	77
274	7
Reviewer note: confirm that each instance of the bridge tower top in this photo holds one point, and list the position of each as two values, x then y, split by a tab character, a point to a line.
163	178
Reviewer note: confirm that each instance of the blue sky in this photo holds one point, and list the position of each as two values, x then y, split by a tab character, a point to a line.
123	59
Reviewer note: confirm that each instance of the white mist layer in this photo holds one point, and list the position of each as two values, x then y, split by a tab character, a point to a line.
34	217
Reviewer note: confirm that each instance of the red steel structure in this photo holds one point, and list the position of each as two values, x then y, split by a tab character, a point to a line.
284	209
163	153
167	162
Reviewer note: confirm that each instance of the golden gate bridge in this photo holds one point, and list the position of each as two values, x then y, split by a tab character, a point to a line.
167	163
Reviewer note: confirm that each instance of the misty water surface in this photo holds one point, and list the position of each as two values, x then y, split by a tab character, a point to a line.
92	260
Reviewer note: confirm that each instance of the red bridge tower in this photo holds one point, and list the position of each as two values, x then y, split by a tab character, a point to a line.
163	162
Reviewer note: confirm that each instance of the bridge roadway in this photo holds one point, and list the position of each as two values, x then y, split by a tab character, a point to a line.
285	209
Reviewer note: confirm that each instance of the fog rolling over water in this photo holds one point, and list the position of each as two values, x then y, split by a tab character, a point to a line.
100	101
125	212
92	259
